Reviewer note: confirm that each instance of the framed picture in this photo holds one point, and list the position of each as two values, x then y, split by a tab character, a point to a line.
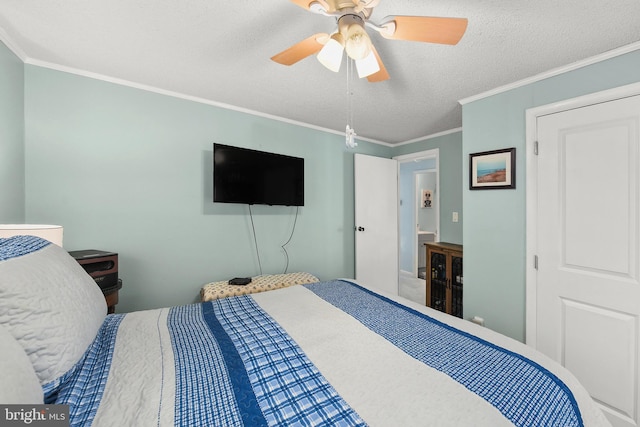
426	199
492	170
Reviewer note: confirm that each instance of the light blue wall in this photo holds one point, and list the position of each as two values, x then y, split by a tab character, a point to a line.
130	171
12	203
494	224
450	157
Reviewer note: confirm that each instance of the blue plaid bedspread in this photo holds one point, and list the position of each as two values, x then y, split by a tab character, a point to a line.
503	378
234	366
257	374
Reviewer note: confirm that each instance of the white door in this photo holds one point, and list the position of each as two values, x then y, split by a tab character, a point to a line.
376	221
588	289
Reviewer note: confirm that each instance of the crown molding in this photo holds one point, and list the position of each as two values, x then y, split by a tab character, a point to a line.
179	95
13	46
83	73
433	135
554	72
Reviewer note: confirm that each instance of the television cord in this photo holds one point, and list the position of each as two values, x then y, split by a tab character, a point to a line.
286	254
255	240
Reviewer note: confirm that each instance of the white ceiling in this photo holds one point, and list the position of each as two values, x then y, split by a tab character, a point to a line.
219	50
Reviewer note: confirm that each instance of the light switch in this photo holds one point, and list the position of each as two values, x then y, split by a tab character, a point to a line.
454	217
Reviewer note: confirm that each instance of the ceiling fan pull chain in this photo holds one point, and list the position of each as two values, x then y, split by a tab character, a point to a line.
352	62
350	132
349	93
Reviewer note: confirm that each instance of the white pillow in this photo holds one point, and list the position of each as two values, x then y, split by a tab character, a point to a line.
20	384
50	305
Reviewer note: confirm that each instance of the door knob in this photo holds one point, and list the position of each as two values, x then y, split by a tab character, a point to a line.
360	229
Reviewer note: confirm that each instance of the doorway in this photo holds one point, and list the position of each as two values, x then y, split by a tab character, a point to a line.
418	218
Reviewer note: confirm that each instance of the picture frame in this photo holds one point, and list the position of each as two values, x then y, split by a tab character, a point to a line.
493	170
426	199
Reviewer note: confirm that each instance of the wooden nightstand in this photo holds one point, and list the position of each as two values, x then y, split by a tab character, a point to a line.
111	296
112	299
102	266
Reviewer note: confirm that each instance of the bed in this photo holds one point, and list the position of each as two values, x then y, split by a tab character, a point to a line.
329	353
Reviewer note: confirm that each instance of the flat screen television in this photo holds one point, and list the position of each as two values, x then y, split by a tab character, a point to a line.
242	175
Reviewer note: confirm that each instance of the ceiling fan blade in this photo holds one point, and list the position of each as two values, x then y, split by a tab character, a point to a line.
426	29
305	4
302	3
301	50
381	75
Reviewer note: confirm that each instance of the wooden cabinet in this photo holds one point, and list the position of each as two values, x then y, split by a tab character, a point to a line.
444	277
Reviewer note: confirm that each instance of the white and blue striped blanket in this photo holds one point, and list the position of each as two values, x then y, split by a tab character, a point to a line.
324	354
503	378
234	366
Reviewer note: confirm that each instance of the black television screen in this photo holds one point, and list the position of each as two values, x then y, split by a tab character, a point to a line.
242	175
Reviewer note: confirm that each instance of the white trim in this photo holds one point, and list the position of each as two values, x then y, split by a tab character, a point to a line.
554	72
44	64
420	155
160	91
532	115
424	138
531	243
13	46
585	100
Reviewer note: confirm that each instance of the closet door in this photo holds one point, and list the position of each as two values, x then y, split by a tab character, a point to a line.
588	238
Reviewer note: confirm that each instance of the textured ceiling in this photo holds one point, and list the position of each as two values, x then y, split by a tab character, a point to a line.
219	50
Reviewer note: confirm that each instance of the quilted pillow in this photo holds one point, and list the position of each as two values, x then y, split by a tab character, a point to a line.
19	381
48	303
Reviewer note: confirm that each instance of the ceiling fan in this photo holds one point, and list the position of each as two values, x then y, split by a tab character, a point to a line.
352	17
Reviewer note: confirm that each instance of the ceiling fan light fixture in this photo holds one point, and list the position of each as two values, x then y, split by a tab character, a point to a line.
357	43
368	65
331	54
